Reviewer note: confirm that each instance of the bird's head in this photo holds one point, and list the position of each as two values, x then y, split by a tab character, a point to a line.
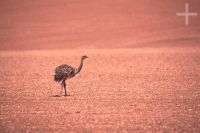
84	57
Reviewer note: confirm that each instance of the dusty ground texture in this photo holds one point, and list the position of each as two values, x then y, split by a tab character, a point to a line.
123	90
67	24
150	84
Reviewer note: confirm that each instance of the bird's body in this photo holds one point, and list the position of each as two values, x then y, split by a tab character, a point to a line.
64	72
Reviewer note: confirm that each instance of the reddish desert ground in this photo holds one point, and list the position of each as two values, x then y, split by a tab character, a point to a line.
142	74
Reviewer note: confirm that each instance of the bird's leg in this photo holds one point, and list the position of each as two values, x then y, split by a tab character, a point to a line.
64	84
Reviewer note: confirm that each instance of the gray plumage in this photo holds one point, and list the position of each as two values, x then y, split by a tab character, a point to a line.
64	72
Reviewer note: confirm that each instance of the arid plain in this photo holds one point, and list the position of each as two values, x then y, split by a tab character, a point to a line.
142	74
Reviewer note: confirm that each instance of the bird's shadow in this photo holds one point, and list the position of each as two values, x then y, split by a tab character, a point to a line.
57	96
60	95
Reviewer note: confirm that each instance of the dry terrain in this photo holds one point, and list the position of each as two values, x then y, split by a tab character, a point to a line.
142	74
64	24
123	90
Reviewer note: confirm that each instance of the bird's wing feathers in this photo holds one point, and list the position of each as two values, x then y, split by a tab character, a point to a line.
64	71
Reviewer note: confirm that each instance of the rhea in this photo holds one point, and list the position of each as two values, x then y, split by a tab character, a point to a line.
64	72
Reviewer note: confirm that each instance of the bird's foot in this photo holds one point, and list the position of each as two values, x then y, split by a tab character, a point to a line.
67	95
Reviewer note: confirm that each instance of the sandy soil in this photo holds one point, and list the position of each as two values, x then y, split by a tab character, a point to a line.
142	74
62	24
123	90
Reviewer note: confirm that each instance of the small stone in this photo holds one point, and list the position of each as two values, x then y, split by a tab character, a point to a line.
78	112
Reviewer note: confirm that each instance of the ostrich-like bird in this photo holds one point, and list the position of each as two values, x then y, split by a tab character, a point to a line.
64	72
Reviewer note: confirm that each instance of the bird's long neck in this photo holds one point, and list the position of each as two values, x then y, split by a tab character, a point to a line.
80	67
